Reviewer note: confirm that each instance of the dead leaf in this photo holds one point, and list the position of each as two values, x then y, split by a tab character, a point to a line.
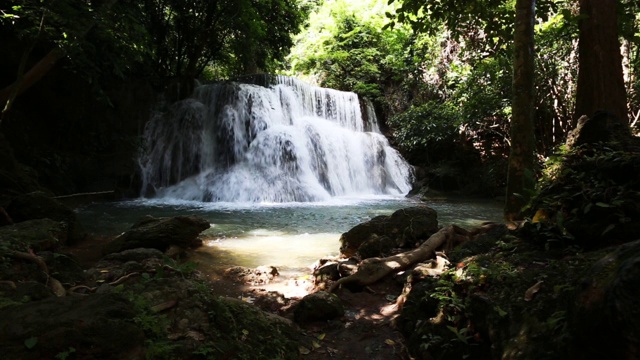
303	350
321	336
315	344
390	342
163	306
528	295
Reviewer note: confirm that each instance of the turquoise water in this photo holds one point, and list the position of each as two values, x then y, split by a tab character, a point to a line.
291	236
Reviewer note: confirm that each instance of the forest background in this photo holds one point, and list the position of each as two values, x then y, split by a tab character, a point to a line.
440	76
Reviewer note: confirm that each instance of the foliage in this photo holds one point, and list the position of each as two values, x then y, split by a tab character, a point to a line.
426	127
589	196
160	38
232	37
346	50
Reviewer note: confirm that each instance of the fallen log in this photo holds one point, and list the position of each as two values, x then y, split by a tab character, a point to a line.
373	269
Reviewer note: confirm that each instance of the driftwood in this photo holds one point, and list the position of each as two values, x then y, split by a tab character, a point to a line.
373	269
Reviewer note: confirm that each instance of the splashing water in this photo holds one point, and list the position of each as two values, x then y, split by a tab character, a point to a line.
288	142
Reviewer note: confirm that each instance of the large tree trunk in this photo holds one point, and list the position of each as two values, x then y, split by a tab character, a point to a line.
520	177
600	77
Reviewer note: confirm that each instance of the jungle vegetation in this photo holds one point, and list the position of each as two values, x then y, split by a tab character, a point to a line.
442	74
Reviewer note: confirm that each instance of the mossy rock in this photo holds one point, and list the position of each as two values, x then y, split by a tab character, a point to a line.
605	321
407	227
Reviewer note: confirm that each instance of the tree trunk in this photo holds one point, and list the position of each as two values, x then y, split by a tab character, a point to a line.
600	78
520	177
39	70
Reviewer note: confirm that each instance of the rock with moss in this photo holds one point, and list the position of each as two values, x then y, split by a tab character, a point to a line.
604	319
407	227
160	233
503	298
37	235
91	327
319	306
39	205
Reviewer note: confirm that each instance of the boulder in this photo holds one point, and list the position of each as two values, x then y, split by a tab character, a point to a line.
601	127
605	322
261	275
320	306
94	326
406	227
160	233
38	205
38	235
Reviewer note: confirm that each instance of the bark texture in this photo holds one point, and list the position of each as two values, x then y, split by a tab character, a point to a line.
520	179
600	77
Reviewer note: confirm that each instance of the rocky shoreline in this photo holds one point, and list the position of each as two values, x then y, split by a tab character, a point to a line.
481	293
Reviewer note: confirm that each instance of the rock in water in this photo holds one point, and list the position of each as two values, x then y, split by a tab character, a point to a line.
406	227
160	233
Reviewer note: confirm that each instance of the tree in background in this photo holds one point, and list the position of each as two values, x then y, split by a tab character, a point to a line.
520	177
153	38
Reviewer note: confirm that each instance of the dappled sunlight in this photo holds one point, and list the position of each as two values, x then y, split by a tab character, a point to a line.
266	247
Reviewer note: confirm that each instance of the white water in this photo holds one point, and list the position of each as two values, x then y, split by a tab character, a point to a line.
291	142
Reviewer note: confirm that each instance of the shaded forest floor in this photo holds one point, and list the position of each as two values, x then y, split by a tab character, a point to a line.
366	331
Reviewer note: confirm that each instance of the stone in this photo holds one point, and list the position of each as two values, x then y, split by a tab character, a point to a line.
320	306
408	227
261	275
605	320
160	233
96	326
38	235
38	205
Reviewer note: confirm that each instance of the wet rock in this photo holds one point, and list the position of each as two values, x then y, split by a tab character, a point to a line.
320	306
326	272
376	246
406	226
348	267
261	275
95	326
38	205
160	233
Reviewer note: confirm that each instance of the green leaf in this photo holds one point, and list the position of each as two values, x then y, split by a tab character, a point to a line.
609	228
604	205
31	342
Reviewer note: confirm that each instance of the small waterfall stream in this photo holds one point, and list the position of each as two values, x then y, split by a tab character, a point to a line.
286	142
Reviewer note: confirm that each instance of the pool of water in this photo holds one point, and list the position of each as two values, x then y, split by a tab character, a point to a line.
290	236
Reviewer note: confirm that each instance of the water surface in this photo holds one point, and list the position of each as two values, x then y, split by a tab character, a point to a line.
290	236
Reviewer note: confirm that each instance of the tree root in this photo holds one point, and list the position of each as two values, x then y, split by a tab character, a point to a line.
52	283
120	280
373	269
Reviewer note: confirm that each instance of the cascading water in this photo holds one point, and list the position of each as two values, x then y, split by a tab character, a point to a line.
288	142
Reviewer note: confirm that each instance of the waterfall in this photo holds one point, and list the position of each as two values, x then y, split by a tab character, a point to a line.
284	142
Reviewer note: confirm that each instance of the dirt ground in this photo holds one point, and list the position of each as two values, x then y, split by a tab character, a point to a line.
366	330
